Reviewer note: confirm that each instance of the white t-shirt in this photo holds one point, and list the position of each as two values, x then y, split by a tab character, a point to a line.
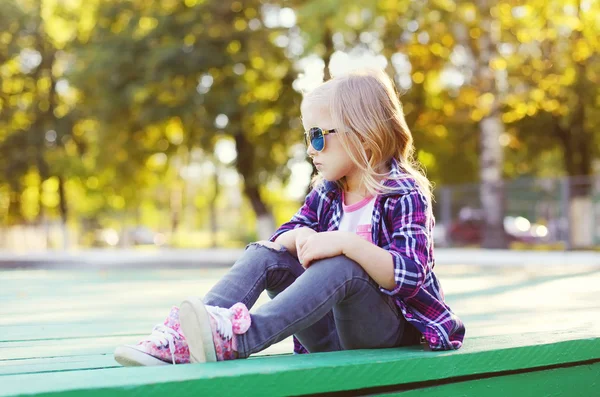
356	218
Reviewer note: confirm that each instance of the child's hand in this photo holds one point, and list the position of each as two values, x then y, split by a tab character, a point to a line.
323	245
301	237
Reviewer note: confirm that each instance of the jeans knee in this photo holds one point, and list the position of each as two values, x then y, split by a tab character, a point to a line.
262	256
341	265
266	246
255	256
257	250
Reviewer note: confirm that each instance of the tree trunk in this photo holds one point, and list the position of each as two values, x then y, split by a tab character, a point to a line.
579	167
491	127
42	218
328	44
491	189
582	141
265	224
63	213
580	203
13	212
212	207
176	201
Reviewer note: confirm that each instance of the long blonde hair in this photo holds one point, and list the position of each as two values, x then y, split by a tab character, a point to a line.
370	125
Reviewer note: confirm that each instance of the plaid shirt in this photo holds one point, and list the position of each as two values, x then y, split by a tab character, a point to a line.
400	225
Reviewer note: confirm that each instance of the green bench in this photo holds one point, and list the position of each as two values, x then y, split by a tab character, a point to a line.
565	363
529	332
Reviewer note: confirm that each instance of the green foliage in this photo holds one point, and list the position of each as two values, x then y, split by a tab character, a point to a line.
113	101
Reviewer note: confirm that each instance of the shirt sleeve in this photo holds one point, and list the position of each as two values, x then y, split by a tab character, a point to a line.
409	246
305	217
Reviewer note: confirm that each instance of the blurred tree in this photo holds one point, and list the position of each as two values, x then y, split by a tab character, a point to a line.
484	45
102	103
153	72
511	65
553	65
502	65
420	41
435	66
333	25
321	20
36	121
417	44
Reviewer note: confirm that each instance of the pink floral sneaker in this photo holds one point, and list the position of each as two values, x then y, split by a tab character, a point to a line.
165	345
211	331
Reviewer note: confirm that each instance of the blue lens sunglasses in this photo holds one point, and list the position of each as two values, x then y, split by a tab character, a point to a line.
316	138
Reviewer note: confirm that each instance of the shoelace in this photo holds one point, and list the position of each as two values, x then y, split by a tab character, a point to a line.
162	335
222	318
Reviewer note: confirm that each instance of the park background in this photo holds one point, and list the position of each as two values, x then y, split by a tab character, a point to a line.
143	143
174	123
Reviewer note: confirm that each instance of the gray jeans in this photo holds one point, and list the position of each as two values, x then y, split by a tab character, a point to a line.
333	305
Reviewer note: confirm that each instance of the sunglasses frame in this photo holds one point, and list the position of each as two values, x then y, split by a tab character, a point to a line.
309	136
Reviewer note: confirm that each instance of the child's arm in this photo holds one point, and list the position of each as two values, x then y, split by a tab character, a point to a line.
410	244
399	267
376	261
291	239
302	224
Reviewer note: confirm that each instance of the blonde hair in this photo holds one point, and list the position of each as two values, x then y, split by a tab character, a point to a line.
370	125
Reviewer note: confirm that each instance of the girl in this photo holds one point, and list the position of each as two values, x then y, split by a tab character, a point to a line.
353	269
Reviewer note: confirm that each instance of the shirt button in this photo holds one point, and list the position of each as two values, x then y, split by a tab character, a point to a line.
433	340
408	315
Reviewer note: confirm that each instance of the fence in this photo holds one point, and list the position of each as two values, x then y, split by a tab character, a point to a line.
564	211
556	211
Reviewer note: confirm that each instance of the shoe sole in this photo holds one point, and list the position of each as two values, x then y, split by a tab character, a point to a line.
195	324
128	356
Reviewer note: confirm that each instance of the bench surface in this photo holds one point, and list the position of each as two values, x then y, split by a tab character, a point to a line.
58	329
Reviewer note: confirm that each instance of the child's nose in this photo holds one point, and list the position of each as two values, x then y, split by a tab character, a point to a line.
310	151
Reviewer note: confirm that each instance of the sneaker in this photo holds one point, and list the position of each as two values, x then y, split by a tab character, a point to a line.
165	345
211	331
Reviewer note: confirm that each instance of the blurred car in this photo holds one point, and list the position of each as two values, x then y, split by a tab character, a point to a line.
105	238
128	237
142	235
468	229
440	235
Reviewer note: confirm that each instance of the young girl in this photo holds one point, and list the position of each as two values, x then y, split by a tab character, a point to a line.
353	269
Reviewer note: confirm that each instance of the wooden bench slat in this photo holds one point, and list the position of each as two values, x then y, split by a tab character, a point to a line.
74	363
55	364
570	381
21	333
148	315
63	348
89	346
318	373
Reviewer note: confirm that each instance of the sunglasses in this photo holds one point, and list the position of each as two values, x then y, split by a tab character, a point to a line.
316	137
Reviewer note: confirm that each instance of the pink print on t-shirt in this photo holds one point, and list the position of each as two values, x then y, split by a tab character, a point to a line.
364	231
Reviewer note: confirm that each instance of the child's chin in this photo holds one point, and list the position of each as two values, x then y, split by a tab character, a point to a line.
329	178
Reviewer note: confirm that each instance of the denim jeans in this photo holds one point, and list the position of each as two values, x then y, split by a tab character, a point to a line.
333	305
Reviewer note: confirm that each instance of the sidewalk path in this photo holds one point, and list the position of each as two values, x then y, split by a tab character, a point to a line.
181	258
